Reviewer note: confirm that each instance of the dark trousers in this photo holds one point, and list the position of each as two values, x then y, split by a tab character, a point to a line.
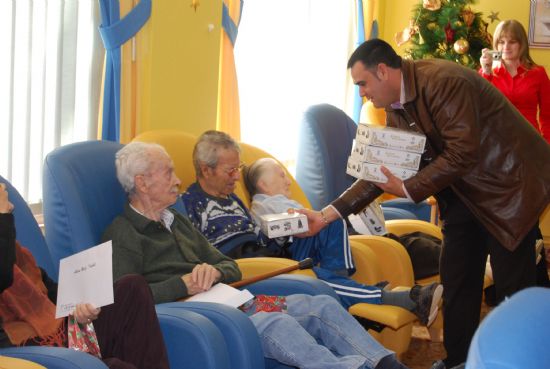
128	331
466	244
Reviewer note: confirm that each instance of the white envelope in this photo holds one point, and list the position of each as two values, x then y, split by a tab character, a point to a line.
86	277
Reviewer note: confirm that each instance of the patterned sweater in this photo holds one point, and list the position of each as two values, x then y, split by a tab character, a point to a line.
227	224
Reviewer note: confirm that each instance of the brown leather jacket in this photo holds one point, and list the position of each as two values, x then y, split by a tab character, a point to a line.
479	145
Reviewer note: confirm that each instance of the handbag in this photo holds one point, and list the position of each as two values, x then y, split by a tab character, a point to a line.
82	337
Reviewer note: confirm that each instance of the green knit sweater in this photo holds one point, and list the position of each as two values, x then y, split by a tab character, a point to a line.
146	247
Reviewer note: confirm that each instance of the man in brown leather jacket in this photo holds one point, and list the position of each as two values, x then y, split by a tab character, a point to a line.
486	165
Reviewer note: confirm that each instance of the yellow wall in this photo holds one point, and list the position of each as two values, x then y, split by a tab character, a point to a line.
395	15
175	79
175	82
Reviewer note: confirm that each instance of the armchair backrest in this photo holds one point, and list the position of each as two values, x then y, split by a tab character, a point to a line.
325	141
81	194
179	146
28	231
505	338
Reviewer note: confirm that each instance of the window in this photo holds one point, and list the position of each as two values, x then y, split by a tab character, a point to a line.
291	55
50	80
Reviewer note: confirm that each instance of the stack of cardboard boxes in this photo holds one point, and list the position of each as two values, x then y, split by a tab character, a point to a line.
396	149
374	146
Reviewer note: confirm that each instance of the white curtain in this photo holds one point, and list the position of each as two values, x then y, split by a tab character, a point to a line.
291	54
50	80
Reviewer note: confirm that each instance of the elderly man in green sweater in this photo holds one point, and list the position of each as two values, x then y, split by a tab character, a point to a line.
177	262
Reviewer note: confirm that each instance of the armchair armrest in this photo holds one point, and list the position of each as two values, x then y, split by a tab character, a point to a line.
252	267
192	340
55	357
240	335
402	226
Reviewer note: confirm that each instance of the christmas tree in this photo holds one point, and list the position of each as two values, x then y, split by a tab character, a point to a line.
446	29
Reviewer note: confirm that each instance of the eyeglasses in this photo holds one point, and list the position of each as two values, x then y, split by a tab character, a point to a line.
232	171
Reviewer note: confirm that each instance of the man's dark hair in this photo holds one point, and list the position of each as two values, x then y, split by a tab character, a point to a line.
373	52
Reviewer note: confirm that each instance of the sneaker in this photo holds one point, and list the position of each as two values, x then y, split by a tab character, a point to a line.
427	300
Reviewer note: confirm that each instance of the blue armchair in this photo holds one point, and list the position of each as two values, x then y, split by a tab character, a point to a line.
325	141
240	335
192	340
200	345
55	357
195	334
513	334
28	231
30	236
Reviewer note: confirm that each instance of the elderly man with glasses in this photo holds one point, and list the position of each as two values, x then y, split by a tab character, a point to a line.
221	216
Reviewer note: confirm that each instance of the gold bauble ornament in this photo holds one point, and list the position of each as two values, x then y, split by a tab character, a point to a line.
461	46
431	4
432	26
458	24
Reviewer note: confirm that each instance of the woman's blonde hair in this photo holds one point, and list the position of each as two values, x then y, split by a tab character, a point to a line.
514	29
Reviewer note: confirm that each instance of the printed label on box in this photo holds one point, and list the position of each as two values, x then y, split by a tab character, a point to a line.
389	137
393	157
283	224
372	172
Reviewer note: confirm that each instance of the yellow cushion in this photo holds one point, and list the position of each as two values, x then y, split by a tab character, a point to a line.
13	363
391	258
252	267
392	316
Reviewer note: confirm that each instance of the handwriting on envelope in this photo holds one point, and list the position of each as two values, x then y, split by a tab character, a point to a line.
86	277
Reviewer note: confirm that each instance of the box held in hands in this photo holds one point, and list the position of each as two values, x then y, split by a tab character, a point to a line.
382	156
391	138
283	224
372	172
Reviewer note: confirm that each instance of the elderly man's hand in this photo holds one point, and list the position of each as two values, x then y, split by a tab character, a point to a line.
201	278
85	313
5	205
393	186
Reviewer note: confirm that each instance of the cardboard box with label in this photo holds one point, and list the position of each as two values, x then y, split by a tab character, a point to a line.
370	220
391	138
372	172
283	224
382	156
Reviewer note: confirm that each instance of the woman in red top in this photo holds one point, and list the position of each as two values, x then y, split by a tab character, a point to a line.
516	75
